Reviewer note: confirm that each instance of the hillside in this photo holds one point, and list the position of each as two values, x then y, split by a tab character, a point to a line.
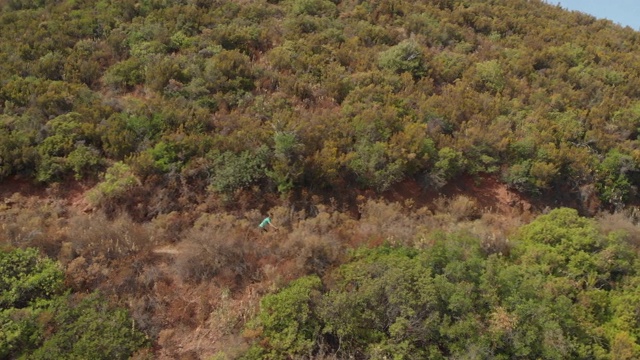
142	142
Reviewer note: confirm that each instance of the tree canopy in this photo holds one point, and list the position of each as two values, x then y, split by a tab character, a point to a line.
559	294
321	93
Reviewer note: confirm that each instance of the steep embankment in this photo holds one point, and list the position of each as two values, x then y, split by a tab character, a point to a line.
154	270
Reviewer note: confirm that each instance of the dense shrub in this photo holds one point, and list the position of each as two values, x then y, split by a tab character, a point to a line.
490	89
27	277
217	246
557	295
90	328
37	321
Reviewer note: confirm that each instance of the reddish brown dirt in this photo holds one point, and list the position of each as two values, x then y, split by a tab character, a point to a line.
8	187
490	195
70	193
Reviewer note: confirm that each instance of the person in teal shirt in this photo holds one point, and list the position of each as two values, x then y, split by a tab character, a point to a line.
266	222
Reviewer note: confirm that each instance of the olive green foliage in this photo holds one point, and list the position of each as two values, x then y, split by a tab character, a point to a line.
287	322
614	182
404	57
287	160
374	167
90	329
118	180
523	88
234	171
27	277
38	321
559	294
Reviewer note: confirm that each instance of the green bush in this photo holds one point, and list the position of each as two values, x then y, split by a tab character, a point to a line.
404	57
287	323
28	284
613	183
558	294
287	160
565	244
374	167
25	277
125	74
90	329
489	76
118	180
231	171
37	321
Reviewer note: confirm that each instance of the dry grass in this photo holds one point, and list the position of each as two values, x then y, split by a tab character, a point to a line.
315	243
94	235
391	222
217	245
24	222
626	222
460	208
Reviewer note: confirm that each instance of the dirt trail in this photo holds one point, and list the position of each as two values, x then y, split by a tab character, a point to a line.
166	249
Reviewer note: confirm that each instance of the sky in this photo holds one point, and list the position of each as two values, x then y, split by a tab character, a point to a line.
623	12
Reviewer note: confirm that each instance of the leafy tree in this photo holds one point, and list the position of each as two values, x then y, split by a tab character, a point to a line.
558	293
118	180
86	62
490	76
17	150
613	181
566	244
229	70
38	321
313	8
125	74
66	138
231	171
50	66
448	66
90	328
405	57
377	300
374	167
286	161
27	277
287	322
450	163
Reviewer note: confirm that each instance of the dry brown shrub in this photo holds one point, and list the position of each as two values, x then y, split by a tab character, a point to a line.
626	222
167	228
144	311
218	244
234	347
494	231
225	318
149	276
83	274
390	222
460	208
30	222
315	242
66	253
319	253
94	235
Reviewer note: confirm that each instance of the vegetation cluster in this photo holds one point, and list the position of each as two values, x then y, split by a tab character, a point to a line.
40	320
400	281
189	120
278	96
565	290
